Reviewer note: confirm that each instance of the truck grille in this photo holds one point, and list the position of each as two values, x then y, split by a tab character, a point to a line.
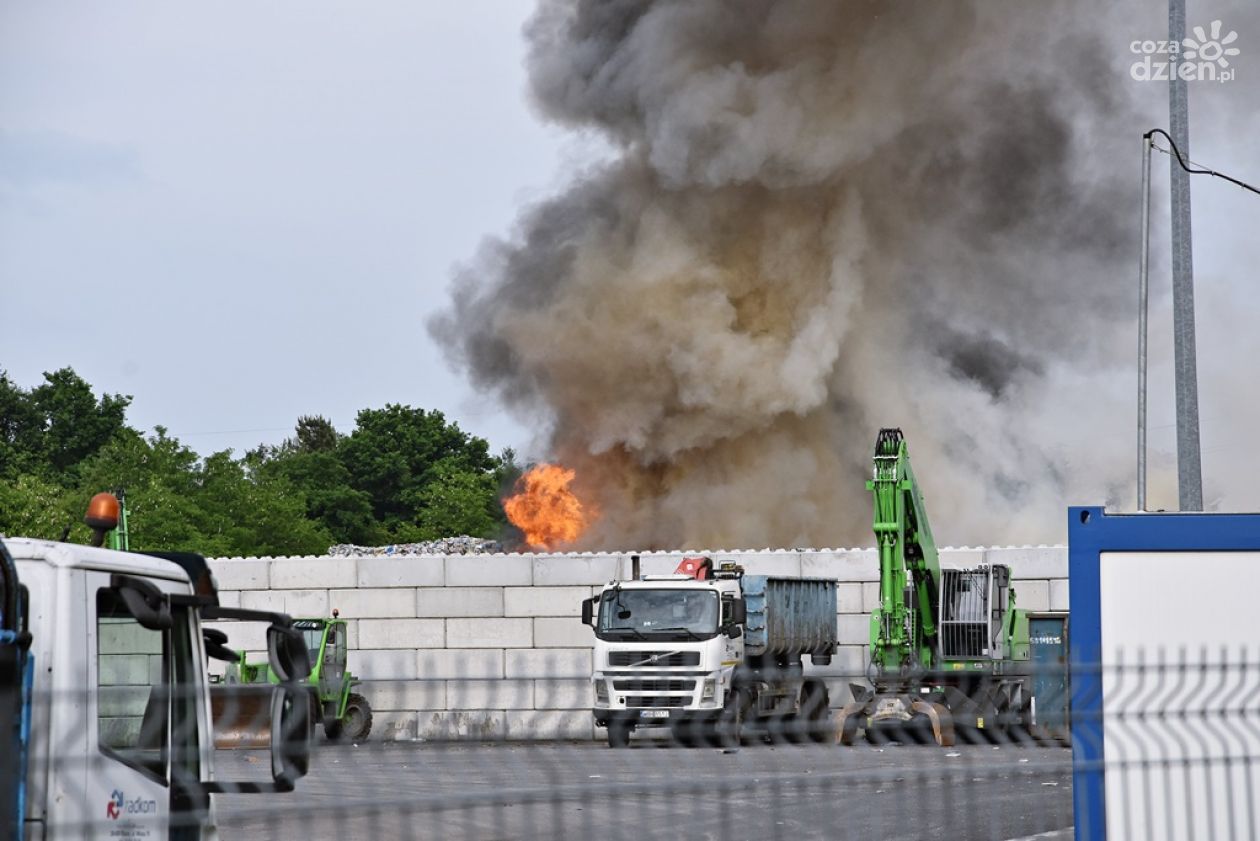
650	685
656	700
644	658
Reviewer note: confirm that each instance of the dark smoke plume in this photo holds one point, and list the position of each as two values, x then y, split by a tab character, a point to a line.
821	218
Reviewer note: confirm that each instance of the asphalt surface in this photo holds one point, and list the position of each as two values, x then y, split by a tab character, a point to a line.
654	790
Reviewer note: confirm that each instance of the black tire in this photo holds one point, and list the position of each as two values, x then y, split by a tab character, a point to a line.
618	734
815	716
728	728
356	724
687	732
332	727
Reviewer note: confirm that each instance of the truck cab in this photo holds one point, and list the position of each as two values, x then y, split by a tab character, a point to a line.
681	651
113	733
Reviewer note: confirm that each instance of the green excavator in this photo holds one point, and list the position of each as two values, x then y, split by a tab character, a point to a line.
949	649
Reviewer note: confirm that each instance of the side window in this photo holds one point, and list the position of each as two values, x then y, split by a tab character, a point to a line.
341	646
132	687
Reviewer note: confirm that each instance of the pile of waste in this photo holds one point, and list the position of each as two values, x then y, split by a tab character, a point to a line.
462	545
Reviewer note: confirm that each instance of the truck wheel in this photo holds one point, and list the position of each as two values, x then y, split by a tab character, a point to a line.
728	727
357	722
618	734
815	715
332	727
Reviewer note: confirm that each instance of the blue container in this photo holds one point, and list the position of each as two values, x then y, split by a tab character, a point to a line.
787	616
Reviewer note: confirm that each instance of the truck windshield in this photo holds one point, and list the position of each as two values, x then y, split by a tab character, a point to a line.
681	613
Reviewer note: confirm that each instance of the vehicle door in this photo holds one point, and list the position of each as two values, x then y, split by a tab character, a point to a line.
334	669
143	724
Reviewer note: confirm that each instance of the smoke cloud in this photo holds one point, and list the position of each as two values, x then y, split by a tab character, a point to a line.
821	218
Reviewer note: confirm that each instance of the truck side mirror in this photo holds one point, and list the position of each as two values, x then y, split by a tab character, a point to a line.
288	655
588	611
290	735
739	613
149	605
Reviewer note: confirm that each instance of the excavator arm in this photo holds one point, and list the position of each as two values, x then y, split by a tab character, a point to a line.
902	638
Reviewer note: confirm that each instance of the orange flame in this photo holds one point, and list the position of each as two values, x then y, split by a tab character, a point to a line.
544	508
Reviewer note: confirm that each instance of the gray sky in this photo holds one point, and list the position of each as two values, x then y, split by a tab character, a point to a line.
240	214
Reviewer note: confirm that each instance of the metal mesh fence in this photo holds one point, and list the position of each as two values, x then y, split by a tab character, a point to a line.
1179	734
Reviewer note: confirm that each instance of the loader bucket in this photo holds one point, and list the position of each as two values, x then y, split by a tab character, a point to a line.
242	715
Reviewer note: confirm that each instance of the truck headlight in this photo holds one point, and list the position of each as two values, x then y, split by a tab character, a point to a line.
601	691
706	693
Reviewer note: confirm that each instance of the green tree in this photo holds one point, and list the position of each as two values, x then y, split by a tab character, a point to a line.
324	484
35	507
455	501
395	454
315	434
74	423
20	430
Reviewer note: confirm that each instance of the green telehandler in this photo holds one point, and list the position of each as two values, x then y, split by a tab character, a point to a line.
344	714
949	649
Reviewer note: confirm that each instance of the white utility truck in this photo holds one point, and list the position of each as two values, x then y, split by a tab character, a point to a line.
105	726
707	651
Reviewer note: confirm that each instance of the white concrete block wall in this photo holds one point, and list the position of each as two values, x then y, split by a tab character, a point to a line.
492	647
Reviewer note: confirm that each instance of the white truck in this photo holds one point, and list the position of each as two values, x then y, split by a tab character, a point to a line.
708	650
105	723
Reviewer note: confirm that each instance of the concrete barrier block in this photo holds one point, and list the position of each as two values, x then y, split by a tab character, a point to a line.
489	694
849	598
848	661
489	571
960	557
300	573
393	726
374	603
1032	595
126	637
230	598
570	570
1059	594
841	565
385	664
401	633
550	724
853	628
662	564
564	632
870	596
460	663
313	603
544	601
1032	561
243	636
401	572
404	695
127	670
489	633
470	726
563	694
766	563
240	574
548	663
459	601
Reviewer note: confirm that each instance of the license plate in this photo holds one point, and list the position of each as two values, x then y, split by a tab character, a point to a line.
653	713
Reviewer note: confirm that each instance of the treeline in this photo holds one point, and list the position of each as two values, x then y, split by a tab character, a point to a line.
401	475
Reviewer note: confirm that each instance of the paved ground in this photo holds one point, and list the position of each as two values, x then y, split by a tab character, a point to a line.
654	790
